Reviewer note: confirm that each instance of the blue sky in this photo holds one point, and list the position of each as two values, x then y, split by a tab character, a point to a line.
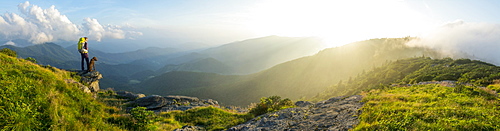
223	21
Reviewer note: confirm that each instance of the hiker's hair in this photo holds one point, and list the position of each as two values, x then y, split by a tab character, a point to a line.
85	38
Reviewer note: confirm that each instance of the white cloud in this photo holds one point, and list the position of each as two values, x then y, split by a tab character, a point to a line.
46	25
9	43
478	39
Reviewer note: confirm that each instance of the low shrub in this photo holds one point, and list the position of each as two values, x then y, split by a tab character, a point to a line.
271	104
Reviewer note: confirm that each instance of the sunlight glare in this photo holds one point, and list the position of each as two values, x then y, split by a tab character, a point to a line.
337	22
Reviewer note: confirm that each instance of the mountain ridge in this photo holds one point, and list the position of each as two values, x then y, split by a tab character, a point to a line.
308	75
122	69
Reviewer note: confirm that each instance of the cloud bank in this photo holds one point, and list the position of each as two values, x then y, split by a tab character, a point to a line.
480	40
39	25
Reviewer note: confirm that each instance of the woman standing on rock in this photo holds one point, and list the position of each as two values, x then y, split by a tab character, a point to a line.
84	50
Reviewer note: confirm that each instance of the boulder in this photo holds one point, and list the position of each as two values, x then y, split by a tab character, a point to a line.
191	128
80	85
175	108
211	102
151	102
158	103
182	98
303	103
129	95
91	79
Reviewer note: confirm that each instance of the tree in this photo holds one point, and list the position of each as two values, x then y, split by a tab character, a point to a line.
8	52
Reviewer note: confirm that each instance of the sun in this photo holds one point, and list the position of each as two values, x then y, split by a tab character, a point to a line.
337	22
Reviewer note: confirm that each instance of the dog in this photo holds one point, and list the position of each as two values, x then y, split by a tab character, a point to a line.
91	66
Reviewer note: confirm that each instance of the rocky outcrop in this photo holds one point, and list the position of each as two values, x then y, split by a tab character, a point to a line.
170	103
303	104
129	95
338	113
191	128
151	102
91	79
80	85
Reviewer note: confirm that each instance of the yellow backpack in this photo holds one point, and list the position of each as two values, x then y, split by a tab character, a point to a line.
80	45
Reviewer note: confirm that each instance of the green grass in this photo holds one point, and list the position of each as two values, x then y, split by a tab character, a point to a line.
430	107
210	118
495	87
37	98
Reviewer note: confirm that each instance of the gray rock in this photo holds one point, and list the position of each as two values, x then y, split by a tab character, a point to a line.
303	103
91	79
151	102
191	128
171	103
211	102
339	113
87	78
237	109
182	98
129	95
80	85
175	108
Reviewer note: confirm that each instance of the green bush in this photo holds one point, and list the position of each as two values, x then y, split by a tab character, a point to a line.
271	104
143	119
31	59
8	52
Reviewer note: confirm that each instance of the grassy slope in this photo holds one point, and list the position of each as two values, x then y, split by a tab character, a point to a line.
426	107
430	107
36	98
210	118
416	70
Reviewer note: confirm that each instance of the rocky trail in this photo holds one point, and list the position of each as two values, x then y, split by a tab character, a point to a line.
335	114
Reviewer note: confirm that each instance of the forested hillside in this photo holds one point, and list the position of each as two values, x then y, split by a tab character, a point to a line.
414	70
463	95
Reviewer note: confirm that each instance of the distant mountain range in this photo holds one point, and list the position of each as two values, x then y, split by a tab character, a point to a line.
121	70
47	54
303	77
254	55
